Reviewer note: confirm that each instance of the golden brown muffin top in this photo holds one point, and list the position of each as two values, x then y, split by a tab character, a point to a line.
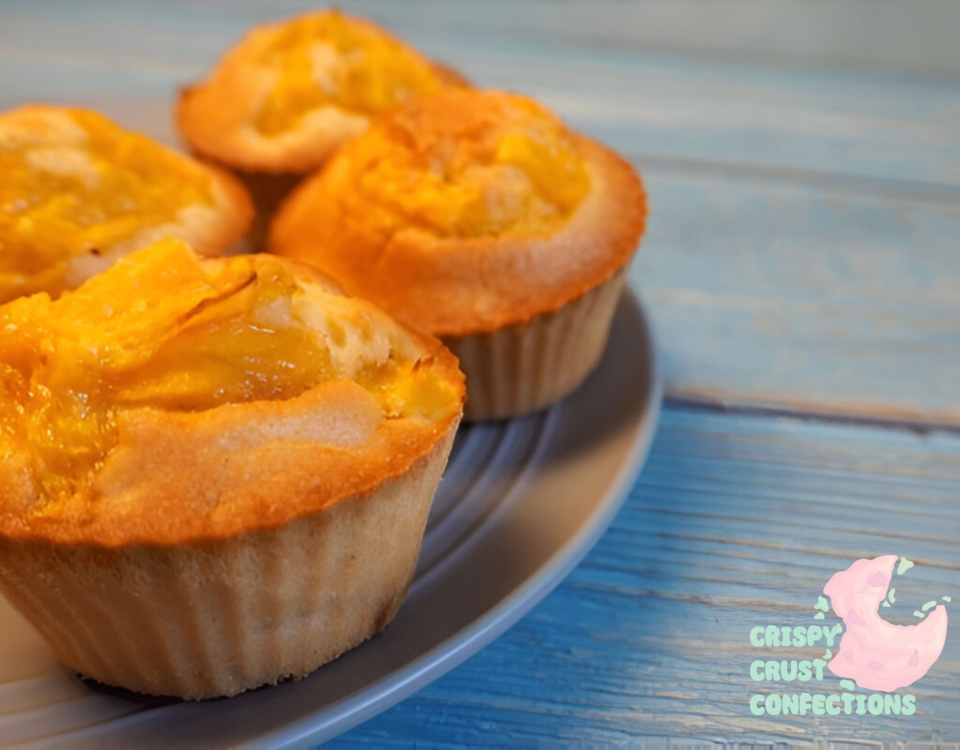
124	401
288	93
78	191
467	164
467	211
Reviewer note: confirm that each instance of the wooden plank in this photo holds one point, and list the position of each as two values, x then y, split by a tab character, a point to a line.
767	290
917	37
736	521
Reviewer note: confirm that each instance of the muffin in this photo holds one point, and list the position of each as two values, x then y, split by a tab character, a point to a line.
216	472
288	94
78	192
478	217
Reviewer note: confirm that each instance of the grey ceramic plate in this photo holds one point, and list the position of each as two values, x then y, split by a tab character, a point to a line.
521	503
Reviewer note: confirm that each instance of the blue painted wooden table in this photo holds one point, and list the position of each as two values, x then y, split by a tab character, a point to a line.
802	268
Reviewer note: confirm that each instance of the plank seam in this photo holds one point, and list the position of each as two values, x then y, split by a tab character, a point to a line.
810	414
884	187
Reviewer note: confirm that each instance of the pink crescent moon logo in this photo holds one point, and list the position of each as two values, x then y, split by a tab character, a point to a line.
876	654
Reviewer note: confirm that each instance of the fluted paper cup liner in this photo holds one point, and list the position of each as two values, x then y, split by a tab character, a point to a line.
217	617
525	367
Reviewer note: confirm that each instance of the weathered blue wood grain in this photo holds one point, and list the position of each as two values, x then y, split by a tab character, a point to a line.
771	289
736	521
914	38
911	37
